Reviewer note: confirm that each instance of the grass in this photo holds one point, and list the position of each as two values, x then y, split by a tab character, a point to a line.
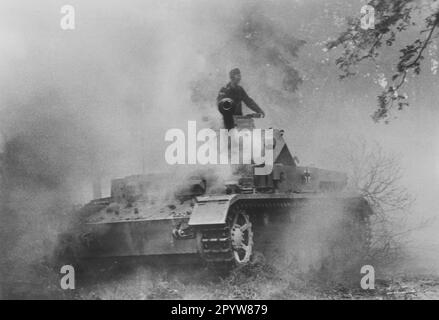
259	280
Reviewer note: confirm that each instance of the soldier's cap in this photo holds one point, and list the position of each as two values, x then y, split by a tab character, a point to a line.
234	72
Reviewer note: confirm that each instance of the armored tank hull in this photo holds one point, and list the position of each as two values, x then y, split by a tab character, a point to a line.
293	207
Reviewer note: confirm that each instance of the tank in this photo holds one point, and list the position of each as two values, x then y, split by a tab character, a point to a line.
253	214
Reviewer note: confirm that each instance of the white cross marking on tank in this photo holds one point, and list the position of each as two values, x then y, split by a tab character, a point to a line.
307	175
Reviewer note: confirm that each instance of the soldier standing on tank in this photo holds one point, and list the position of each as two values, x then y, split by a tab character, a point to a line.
230	100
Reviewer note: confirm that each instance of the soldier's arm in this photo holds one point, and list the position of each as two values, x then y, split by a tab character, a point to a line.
221	95
251	103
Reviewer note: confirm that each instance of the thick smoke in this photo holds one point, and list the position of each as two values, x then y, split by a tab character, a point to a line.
97	101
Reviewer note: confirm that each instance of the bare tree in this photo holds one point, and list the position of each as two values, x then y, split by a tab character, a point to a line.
377	175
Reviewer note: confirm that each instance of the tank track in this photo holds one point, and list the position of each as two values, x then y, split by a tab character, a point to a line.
215	242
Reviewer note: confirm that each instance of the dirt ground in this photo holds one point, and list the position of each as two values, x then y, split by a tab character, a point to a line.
259	281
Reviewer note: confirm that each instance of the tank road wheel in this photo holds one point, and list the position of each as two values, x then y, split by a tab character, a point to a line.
241	235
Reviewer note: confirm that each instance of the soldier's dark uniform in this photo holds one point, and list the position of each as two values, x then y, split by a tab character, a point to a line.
238	95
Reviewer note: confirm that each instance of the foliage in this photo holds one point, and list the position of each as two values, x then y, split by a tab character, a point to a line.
391	17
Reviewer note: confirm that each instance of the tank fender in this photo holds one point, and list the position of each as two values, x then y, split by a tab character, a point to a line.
211	210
